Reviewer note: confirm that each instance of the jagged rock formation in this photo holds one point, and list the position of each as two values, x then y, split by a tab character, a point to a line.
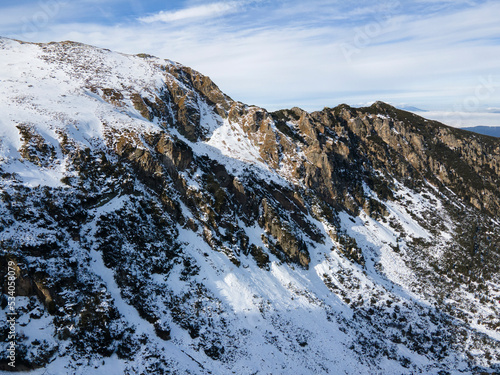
158	226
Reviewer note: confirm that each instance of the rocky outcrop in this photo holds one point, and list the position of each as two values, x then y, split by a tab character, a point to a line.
294	248
203	85
35	148
343	143
26	283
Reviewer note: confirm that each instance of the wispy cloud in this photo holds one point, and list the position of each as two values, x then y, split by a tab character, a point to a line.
195	12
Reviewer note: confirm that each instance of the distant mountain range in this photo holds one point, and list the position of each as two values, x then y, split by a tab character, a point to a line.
410	108
493	131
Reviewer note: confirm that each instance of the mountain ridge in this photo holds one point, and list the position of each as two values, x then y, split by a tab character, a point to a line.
493	131
169	228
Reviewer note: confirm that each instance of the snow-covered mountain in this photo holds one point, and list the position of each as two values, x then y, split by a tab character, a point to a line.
156	226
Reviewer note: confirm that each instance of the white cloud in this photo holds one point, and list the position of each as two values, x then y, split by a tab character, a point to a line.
277	57
464	119
200	11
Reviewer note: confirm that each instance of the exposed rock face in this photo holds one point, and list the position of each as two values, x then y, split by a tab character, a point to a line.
296	251
408	146
182	231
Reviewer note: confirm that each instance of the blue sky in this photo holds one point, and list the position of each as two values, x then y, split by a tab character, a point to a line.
440	55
